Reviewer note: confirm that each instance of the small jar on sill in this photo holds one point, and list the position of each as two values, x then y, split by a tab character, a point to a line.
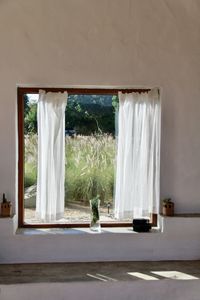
6	208
168	208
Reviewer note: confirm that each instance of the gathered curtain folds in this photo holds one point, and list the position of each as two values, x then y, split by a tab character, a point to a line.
137	186
51	155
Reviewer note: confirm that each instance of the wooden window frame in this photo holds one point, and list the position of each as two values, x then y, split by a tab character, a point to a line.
21	91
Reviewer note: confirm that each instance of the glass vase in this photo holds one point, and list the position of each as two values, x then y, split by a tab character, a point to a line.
95	215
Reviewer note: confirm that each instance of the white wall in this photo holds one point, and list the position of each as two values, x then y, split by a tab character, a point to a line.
177	240
112	43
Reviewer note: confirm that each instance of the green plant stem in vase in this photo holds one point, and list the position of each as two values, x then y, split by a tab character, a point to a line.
95	219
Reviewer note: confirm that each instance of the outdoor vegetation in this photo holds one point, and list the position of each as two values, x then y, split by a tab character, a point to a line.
90	167
90	150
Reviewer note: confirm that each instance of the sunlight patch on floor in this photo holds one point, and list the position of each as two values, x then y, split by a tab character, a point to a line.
142	276
174	275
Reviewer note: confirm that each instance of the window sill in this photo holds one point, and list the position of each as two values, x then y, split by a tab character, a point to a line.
8	227
81	231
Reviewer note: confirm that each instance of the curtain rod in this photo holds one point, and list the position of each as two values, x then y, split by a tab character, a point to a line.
80	91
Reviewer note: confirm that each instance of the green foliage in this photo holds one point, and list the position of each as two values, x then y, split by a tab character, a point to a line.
167	201
86	114
30	160
115	102
30	119
94	203
90	168
30	176
89	114
90	158
26	105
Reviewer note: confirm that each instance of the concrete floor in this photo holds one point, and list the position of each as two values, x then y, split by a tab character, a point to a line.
104	271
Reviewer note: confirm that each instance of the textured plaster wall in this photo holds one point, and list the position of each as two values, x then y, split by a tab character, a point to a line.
109	43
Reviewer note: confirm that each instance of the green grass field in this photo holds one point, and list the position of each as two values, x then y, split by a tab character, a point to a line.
90	162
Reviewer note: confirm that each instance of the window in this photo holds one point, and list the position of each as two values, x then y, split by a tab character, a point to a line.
90	155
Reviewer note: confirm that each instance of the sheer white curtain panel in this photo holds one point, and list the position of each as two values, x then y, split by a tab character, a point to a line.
51	155
137	186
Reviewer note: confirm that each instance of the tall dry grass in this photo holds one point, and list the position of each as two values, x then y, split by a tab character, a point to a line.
30	160
89	166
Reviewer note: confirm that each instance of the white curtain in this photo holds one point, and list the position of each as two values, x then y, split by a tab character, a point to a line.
51	156
138	156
